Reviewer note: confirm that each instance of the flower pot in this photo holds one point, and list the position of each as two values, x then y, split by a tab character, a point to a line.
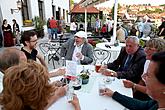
85	81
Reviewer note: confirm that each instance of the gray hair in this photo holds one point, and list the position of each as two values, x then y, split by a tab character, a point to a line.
135	39
85	40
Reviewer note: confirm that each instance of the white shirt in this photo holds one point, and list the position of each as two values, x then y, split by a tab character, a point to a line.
145	67
73	26
1	81
77	49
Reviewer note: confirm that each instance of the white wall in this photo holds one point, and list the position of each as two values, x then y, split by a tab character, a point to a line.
63	5
48	8
6	6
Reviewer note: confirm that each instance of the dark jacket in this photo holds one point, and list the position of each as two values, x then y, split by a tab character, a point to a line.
134	104
16	27
135	69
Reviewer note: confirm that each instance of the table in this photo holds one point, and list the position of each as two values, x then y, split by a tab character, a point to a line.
114	50
89	97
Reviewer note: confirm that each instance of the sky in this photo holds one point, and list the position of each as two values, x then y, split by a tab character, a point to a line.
152	2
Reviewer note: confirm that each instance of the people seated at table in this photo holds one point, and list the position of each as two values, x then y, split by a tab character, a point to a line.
29	40
78	49
26	87
155	88
152	46
9	57
13	56
130	62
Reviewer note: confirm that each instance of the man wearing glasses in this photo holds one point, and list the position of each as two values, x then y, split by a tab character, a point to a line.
29	40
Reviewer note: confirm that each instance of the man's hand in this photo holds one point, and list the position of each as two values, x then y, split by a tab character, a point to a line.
79	55
108	72
102	68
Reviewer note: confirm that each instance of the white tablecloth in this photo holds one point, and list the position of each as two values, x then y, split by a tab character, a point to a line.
89	97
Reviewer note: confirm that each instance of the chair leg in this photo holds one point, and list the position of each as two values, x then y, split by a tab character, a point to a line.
53	64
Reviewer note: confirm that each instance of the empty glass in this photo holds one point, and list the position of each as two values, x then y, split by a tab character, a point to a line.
101	87
77	82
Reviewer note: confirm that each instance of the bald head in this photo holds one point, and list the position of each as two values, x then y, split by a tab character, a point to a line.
10	57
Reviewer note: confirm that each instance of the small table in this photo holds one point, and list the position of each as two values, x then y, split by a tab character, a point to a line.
89	97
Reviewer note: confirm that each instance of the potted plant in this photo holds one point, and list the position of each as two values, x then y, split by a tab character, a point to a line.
85	78
39	26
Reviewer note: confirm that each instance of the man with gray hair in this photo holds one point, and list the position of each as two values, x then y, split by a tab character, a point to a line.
10	56
78	49
130	62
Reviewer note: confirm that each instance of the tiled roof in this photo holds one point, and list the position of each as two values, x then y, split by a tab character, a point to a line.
78	9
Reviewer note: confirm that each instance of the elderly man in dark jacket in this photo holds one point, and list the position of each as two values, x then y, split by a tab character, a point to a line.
130	62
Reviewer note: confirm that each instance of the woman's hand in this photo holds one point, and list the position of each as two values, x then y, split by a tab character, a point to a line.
128	84
61	72
108	92
61	91
75	102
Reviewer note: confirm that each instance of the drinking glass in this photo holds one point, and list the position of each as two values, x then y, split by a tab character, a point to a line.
97	66
101	87
70	92
77	82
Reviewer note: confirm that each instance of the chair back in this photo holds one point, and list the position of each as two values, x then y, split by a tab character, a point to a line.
45	48
102	56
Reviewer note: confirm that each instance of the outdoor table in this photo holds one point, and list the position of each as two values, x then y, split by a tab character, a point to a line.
88	95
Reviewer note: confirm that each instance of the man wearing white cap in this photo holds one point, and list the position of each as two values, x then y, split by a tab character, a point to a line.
78	49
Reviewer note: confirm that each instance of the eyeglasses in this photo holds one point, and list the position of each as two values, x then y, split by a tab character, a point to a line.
150	49
34	40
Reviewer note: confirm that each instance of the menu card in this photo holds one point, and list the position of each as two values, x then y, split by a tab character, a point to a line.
71	67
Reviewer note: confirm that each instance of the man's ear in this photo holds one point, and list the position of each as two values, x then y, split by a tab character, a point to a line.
26	42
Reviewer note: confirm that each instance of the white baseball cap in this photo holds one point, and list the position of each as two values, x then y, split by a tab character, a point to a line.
81	34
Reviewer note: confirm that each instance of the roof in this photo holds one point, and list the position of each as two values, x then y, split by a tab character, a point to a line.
78	9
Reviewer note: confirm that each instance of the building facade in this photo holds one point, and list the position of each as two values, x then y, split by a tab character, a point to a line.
31	8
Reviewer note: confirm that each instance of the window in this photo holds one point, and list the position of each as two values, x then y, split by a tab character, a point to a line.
25	13
63	13
53	10
40	6
59	13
